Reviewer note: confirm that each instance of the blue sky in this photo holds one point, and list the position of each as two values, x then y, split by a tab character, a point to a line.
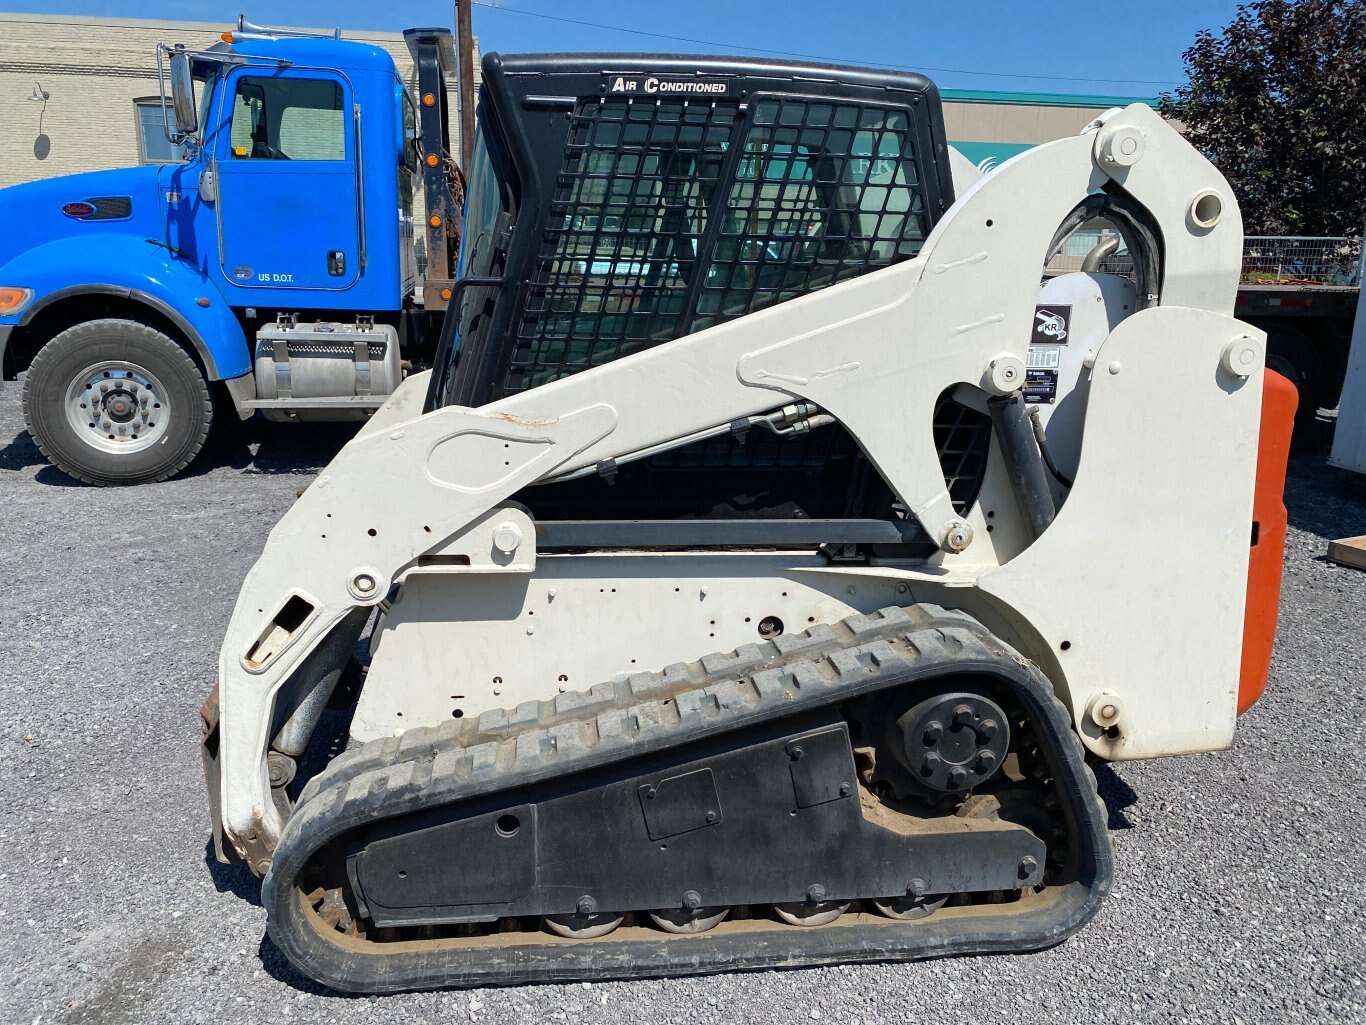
1131	49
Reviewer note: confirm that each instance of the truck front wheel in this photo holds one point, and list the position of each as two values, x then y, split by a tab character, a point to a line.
1293	355
115	402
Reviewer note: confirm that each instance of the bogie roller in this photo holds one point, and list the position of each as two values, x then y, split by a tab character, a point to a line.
752	578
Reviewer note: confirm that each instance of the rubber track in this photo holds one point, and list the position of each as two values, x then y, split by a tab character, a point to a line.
428	767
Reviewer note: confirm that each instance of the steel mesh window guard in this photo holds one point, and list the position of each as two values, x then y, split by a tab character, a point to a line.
625	225
669	216
824	191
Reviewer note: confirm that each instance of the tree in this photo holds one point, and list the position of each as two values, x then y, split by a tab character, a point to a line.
1278	103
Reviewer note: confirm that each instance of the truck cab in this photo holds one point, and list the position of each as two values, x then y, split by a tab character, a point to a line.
274	270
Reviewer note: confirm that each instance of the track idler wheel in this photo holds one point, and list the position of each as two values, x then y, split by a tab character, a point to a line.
952	742
587	923
815	910
682	921
908	908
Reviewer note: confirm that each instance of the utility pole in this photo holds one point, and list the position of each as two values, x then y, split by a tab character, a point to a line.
464	39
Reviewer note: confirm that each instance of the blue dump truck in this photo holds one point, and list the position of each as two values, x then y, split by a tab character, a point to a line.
274	270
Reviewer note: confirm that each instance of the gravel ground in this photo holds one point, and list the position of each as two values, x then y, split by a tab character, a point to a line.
1234	900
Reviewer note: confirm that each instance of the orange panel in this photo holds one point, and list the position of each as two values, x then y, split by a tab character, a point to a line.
1279	399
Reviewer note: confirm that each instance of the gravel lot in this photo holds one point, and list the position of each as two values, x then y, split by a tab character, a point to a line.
1235	899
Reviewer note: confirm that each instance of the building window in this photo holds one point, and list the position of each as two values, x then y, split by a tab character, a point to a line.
153	146
288	119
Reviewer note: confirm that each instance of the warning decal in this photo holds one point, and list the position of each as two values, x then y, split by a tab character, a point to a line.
1043	357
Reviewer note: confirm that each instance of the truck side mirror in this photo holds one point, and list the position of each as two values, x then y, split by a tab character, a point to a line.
182	95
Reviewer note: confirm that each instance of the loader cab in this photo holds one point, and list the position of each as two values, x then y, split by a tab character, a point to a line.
619	202
642	198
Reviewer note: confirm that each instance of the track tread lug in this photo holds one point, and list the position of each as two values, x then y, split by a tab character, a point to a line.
452	763
569	738
874	623
726	695
612	725
847	663
693	707
531	747
741	660
483	758
579	701
770	683
504	721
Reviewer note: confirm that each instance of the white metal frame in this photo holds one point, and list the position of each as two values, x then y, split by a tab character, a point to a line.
1349	435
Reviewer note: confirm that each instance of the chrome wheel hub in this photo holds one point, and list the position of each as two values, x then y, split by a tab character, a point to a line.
116	406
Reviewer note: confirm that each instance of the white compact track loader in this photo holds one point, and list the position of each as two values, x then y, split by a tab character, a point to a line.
770	550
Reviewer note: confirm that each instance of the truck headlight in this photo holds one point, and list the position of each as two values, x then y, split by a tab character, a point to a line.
12	300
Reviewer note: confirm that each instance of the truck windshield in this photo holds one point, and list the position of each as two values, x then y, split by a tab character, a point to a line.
206	103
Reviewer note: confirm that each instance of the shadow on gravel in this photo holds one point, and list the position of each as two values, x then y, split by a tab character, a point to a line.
234	879
258	446
20	453
277	966
52	477
1319	498
254	447
1117	795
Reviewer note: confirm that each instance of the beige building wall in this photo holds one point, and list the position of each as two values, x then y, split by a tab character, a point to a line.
93	69
1014	122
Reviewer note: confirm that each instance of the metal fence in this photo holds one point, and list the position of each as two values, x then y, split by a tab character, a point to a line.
1322	262
1075	248
1270	260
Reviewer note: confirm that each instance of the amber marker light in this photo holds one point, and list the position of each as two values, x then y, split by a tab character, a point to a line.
202	301
434	221
225	36
12	300
431	160
445	293
428	99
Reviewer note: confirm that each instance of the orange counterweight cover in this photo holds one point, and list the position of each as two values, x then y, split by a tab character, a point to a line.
1279	399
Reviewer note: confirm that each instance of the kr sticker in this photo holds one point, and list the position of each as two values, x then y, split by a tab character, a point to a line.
1051	324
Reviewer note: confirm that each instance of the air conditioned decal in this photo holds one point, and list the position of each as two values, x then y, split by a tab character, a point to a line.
653	85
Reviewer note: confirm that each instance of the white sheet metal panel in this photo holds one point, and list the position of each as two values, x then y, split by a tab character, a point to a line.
1349	438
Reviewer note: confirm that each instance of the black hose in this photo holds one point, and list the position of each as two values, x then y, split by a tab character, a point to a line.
1042	441
1021	457
1135	225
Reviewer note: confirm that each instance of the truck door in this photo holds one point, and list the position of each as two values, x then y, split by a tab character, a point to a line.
288	185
